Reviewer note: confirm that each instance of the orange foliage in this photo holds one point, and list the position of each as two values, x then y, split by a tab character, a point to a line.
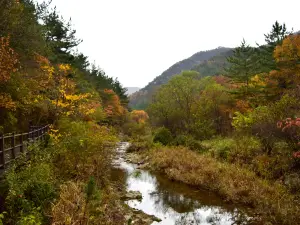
139	116
287	56
222	80
8	60
113	104
6	102
243	106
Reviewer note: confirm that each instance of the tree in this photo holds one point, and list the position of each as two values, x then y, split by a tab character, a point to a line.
287	56
101	81
264	53
19	20
60	37
190	105
277	34
139	116
242	66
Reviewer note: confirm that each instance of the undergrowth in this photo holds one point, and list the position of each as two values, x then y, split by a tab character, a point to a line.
271	200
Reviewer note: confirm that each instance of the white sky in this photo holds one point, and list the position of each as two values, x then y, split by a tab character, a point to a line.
136	40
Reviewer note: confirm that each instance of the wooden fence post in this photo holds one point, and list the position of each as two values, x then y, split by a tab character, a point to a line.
21	144
13	144
2	154
41	134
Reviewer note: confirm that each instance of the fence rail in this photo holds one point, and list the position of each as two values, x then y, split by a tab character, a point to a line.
13	145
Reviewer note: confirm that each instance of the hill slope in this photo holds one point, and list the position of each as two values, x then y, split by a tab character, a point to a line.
131	90
206	62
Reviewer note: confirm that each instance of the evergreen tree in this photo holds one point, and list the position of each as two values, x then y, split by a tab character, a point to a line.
242	66
265	53
60	37
277	34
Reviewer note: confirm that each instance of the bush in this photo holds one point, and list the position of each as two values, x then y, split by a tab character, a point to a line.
244	149
141	144
82	149
292	181
219	147
163	135
134	129
187	141
262	121
274	166
31	191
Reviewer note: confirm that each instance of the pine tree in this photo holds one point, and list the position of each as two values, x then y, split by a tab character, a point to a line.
265	53
60	37
242	66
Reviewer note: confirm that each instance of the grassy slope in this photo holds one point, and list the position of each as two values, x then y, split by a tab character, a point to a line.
270	200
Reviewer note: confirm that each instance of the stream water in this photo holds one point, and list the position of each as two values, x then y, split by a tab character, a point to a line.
173	202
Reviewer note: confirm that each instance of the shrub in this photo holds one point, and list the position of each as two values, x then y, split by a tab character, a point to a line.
187	141
31	191
262	121
244	149
163	135
274	166
142	143
219	147
83	149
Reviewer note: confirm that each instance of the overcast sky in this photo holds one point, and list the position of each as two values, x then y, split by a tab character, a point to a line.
136	40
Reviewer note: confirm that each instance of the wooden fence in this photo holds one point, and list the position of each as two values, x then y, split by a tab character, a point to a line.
13	145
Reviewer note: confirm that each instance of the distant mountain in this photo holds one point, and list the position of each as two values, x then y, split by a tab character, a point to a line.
131	90
213	66
206	62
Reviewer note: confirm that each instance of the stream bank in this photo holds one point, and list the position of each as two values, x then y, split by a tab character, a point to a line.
168	201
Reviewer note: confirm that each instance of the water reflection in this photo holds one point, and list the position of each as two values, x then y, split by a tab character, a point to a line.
173	202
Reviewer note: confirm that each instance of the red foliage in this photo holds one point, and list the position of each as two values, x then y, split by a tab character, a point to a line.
292	128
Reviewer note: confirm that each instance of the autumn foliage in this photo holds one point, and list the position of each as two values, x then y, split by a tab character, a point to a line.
287	56
139	116
8	59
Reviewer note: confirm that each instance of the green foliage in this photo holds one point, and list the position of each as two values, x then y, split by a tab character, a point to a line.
34	218
263	119
245	148
90	188
277	34
60	37
163	135
31	190
189	104
242	66
242	122
83	144
188	141
214	66
219	147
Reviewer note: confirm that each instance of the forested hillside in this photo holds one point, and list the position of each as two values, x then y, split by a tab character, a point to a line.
213	66
44	80
212	60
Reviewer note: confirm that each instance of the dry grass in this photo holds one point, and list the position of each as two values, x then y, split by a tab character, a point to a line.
235	184
70	207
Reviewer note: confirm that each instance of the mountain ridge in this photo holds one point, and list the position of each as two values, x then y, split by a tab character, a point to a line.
141	98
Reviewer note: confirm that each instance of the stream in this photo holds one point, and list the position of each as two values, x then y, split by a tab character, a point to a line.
173	202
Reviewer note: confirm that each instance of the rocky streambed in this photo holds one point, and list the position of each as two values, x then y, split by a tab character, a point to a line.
154	199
